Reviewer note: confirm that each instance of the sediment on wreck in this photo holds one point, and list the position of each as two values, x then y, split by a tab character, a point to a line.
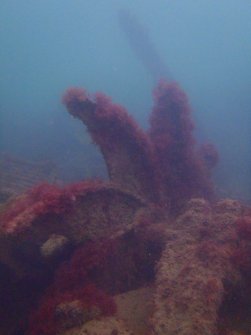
194	268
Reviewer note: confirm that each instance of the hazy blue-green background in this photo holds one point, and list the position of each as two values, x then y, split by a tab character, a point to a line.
49	45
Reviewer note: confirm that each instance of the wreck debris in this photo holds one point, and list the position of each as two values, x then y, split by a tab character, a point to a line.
155	223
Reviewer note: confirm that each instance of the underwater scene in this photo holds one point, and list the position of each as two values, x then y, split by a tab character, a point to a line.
125	167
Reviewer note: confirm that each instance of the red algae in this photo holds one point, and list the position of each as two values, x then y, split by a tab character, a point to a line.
41	200
162	165
74	95
132	232
242	254
125	147
244	227
182	172
87	276
92	303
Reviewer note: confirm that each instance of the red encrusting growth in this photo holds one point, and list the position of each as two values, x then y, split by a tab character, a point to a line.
160	169
128	260
41	200
74	281
96	271
161	164
182	173
45	321
244	227
125	147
